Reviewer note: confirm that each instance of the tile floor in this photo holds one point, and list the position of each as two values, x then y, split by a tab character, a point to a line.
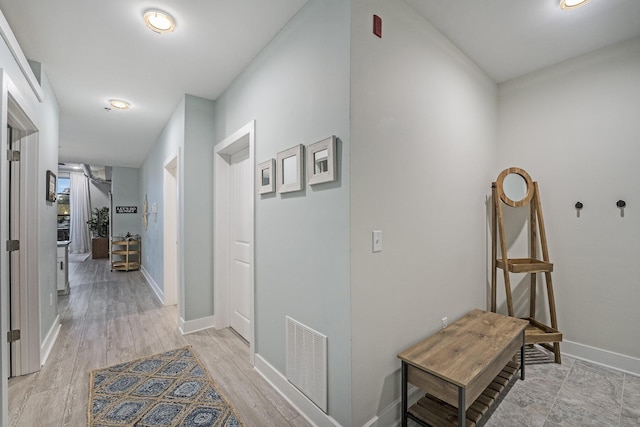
575	393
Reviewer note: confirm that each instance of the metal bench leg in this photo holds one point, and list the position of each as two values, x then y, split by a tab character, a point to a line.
462	413
404	394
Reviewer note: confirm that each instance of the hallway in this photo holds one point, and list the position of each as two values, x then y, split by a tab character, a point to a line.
113	317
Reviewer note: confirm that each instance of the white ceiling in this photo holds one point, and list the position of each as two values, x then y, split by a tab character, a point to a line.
93	51
510	38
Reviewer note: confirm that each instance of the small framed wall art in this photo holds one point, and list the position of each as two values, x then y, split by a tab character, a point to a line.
321	161
290	166
265	177
51	186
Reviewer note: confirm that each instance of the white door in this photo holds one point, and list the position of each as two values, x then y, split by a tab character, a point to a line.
240	215
23	272
14	256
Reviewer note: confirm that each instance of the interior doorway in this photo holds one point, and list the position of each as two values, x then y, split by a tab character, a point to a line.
170	210
234	189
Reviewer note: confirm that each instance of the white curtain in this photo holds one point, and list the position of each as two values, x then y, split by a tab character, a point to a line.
80	214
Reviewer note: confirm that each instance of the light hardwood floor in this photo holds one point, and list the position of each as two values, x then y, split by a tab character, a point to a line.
112	317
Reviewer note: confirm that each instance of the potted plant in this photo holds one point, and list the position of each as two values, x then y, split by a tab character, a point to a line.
99	226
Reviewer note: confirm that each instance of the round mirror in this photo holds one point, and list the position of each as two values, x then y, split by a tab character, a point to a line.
515	187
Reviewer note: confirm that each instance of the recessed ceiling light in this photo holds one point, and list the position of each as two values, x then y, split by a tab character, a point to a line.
572	4
159	21
119	104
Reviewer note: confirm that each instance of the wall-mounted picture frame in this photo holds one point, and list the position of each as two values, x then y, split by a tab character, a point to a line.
290	166
321	161
265	177
51	187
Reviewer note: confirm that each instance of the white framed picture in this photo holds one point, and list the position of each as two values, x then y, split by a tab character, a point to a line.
265	177
321	161
289	169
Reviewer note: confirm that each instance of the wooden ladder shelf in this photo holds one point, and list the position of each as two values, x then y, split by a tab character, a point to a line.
515	188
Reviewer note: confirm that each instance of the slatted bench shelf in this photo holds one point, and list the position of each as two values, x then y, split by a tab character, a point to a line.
433	411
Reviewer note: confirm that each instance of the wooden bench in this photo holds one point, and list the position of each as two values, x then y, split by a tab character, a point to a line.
462	368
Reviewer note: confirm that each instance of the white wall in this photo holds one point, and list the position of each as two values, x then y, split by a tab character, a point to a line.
575	128
297	90
423	120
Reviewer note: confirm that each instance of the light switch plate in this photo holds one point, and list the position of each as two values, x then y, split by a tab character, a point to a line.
377	241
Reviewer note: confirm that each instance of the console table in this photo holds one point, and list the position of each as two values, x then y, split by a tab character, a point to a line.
462	368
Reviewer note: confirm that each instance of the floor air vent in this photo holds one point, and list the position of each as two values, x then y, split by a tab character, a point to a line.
307	361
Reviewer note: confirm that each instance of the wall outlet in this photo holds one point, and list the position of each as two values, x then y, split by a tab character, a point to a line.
444	322
50	300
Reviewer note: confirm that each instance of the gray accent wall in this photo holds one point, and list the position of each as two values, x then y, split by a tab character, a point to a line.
125	190
169	144
297	90
47	120
197	186
189	134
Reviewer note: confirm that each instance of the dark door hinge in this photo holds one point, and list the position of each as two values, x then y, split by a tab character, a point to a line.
13	155
13	335
13	245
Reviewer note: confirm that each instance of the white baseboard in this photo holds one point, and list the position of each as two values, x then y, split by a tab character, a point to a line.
153	285
602	357
185	326
191	326
50	340
299	401
391	415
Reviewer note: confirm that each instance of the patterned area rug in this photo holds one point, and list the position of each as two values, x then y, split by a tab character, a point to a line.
167	389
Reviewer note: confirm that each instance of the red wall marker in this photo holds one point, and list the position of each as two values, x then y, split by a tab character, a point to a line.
377	26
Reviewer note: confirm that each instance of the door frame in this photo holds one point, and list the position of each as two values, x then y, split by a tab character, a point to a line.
26	310
239	140
171	197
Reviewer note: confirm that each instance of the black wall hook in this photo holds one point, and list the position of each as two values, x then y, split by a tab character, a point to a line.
579	205
621	203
